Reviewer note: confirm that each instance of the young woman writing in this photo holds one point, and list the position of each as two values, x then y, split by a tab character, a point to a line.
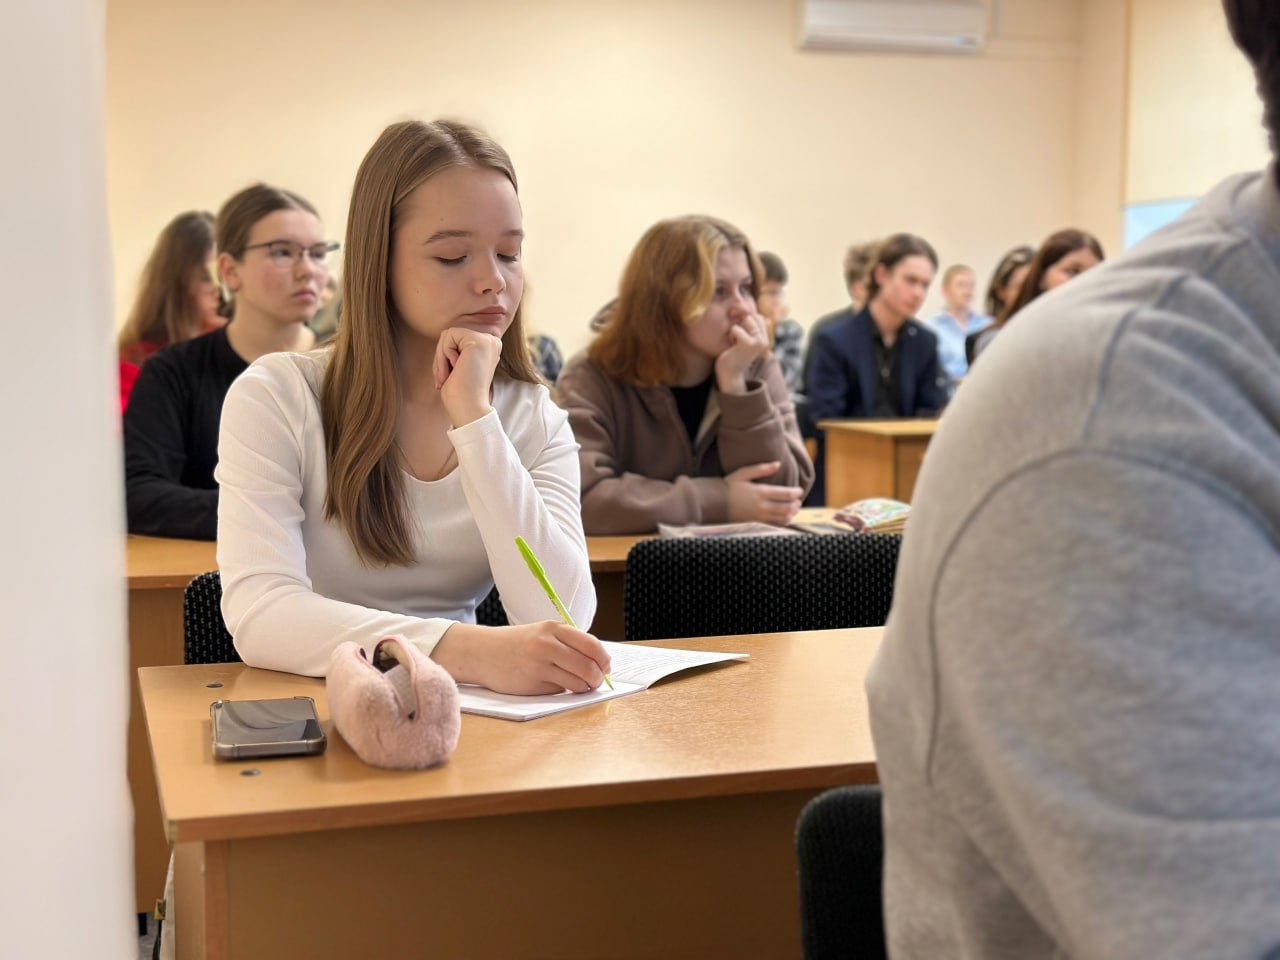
376	487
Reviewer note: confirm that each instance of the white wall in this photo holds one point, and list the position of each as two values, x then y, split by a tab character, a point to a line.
66	878
616	112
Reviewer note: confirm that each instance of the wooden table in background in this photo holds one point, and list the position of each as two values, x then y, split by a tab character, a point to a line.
659	824
874	458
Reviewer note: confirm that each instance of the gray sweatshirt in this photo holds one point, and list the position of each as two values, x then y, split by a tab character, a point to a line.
1076	709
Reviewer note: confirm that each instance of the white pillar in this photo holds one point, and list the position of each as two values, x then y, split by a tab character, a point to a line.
66	878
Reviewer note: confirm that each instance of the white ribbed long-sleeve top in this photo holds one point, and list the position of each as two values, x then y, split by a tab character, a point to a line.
293	586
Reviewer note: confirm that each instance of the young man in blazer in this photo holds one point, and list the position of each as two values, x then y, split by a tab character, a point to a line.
880	362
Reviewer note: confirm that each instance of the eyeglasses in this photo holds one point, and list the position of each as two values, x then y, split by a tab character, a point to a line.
286	254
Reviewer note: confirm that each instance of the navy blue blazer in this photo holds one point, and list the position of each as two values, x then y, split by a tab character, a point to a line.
842	374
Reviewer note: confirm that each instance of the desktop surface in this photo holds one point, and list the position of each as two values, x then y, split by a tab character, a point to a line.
666	819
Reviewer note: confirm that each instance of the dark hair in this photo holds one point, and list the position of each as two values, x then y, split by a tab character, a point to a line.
1255	27
163	312
238	215
1051	251
242	211
1005	269
893	251
857	262
775	271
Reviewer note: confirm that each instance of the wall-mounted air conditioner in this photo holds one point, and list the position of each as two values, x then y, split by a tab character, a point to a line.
916	26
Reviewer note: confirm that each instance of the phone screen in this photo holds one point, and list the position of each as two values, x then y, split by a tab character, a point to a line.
265	727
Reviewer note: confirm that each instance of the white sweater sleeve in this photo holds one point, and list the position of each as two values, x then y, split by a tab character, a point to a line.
541	503
277	621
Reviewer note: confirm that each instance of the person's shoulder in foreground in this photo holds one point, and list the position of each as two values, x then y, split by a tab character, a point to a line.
1074	708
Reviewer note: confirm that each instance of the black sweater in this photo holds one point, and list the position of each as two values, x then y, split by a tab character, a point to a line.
171	437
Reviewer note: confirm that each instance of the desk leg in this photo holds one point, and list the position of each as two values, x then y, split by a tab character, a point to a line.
155	639
908	456
198	917
713	877
608	624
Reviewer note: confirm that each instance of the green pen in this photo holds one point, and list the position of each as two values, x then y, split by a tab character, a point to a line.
541	576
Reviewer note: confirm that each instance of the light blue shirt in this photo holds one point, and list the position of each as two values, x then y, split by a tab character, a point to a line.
951	340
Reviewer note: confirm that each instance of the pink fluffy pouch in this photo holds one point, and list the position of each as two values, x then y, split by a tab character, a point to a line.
400	711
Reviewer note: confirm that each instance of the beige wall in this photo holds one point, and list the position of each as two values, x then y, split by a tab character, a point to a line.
617	113
1100	121
1194	116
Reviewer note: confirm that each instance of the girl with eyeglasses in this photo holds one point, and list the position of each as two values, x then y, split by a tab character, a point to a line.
178	296
376	487
271	262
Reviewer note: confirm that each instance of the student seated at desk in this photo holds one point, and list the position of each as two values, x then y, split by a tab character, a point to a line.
956	321
787	335
679	404
376	487
1062	257
178	296
272	260
880	362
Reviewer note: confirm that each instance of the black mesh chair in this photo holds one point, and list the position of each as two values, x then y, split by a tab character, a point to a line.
204	633
840	849
491	612
716	586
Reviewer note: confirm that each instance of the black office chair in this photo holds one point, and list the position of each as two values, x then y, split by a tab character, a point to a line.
491	612
717	586
840	849
204	633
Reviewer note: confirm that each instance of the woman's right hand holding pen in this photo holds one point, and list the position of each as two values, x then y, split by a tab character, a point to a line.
533	658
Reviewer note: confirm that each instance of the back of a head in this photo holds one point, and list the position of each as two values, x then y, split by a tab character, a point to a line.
775	271
666	285
857	262
1255	27
163	311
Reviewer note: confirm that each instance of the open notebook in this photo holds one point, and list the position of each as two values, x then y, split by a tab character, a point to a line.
635	668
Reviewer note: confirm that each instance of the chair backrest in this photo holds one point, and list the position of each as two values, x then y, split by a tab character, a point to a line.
204	633
491	612
715	586
205	638
840	849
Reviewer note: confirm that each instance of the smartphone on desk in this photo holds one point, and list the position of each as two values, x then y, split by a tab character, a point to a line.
265	728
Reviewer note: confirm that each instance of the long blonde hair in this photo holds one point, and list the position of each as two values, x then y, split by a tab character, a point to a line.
360	396
666	286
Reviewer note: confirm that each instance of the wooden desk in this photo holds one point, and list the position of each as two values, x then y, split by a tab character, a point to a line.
608	557
657	825
156	571
874	458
